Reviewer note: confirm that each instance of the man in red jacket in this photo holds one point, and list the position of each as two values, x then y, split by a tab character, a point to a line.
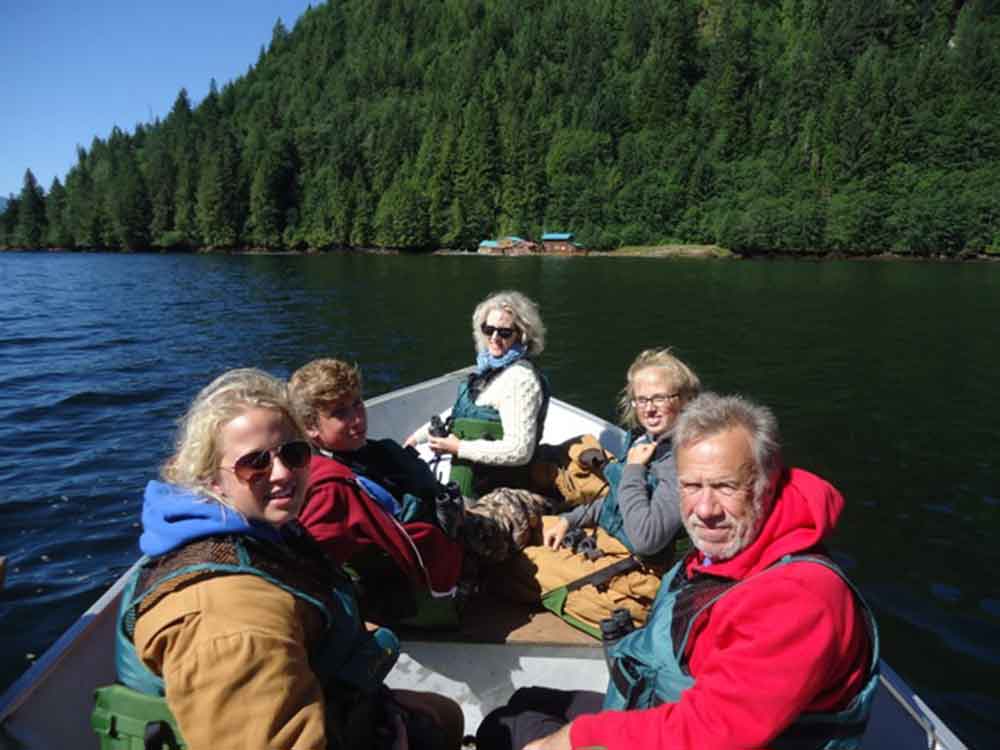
755	638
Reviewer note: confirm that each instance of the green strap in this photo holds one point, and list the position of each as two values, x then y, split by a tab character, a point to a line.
121	717
555	602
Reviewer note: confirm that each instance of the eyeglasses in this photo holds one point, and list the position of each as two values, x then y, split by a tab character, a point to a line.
659	400
294	454
504	333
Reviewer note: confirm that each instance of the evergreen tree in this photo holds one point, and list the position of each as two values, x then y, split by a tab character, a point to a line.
130	205
185	198
8	222
401	215
362	230
440	187
30	229
162	185
218	202
57	233
271	193
576	169
476	178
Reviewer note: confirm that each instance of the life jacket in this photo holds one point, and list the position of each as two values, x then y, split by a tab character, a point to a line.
648	666
471	421
348	659
610	518
395	474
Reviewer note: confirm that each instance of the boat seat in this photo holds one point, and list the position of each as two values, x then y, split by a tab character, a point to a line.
491	620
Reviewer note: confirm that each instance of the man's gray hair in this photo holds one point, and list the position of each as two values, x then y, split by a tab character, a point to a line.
709	414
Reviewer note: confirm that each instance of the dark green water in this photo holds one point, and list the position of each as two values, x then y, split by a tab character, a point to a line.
883	376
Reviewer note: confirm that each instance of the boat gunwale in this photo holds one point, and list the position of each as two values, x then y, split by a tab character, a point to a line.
32	679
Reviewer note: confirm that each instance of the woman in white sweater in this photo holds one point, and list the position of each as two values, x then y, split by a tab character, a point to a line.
506	388
498	419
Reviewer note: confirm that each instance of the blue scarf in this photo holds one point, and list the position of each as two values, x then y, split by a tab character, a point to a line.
486	361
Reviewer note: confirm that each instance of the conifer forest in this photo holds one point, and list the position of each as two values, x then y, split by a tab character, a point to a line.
852	127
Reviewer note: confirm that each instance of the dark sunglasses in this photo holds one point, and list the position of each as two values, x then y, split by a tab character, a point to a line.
294	454
504	333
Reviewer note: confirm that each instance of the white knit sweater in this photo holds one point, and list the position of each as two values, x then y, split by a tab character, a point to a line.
516	394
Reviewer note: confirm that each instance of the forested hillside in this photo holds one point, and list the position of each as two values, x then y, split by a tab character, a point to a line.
855	126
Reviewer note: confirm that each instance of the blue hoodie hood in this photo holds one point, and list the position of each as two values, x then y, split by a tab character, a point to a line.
173	516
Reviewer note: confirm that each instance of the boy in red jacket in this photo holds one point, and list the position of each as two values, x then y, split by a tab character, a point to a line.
369	502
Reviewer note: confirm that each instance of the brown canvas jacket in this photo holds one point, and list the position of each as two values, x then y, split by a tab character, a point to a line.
233	652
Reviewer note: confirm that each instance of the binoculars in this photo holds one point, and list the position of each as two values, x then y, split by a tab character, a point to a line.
440	427
449	507
580	543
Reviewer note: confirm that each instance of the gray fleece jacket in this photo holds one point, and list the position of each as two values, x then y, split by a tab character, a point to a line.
651	520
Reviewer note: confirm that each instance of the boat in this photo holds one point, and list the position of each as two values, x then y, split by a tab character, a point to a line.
480	665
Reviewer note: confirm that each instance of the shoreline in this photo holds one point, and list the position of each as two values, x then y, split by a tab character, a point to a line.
666	251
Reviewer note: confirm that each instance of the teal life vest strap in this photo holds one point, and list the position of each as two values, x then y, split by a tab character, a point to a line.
189	564
611	519
352	656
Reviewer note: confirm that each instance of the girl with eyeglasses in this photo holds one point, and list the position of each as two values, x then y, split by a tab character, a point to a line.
639	516
236	617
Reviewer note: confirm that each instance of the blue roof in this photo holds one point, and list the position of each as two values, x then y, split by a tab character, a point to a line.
557	236
496	243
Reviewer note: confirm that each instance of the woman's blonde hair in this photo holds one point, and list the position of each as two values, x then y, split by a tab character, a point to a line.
322	381
680	376
526	318
197	450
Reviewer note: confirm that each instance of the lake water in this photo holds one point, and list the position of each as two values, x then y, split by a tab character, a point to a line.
883	375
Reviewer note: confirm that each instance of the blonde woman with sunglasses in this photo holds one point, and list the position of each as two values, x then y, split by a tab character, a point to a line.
236	617
506	388
496	426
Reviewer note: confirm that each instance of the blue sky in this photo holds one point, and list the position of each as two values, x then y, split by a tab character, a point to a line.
72	70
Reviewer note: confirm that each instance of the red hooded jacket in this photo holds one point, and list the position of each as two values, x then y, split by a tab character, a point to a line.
345	519
792	641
